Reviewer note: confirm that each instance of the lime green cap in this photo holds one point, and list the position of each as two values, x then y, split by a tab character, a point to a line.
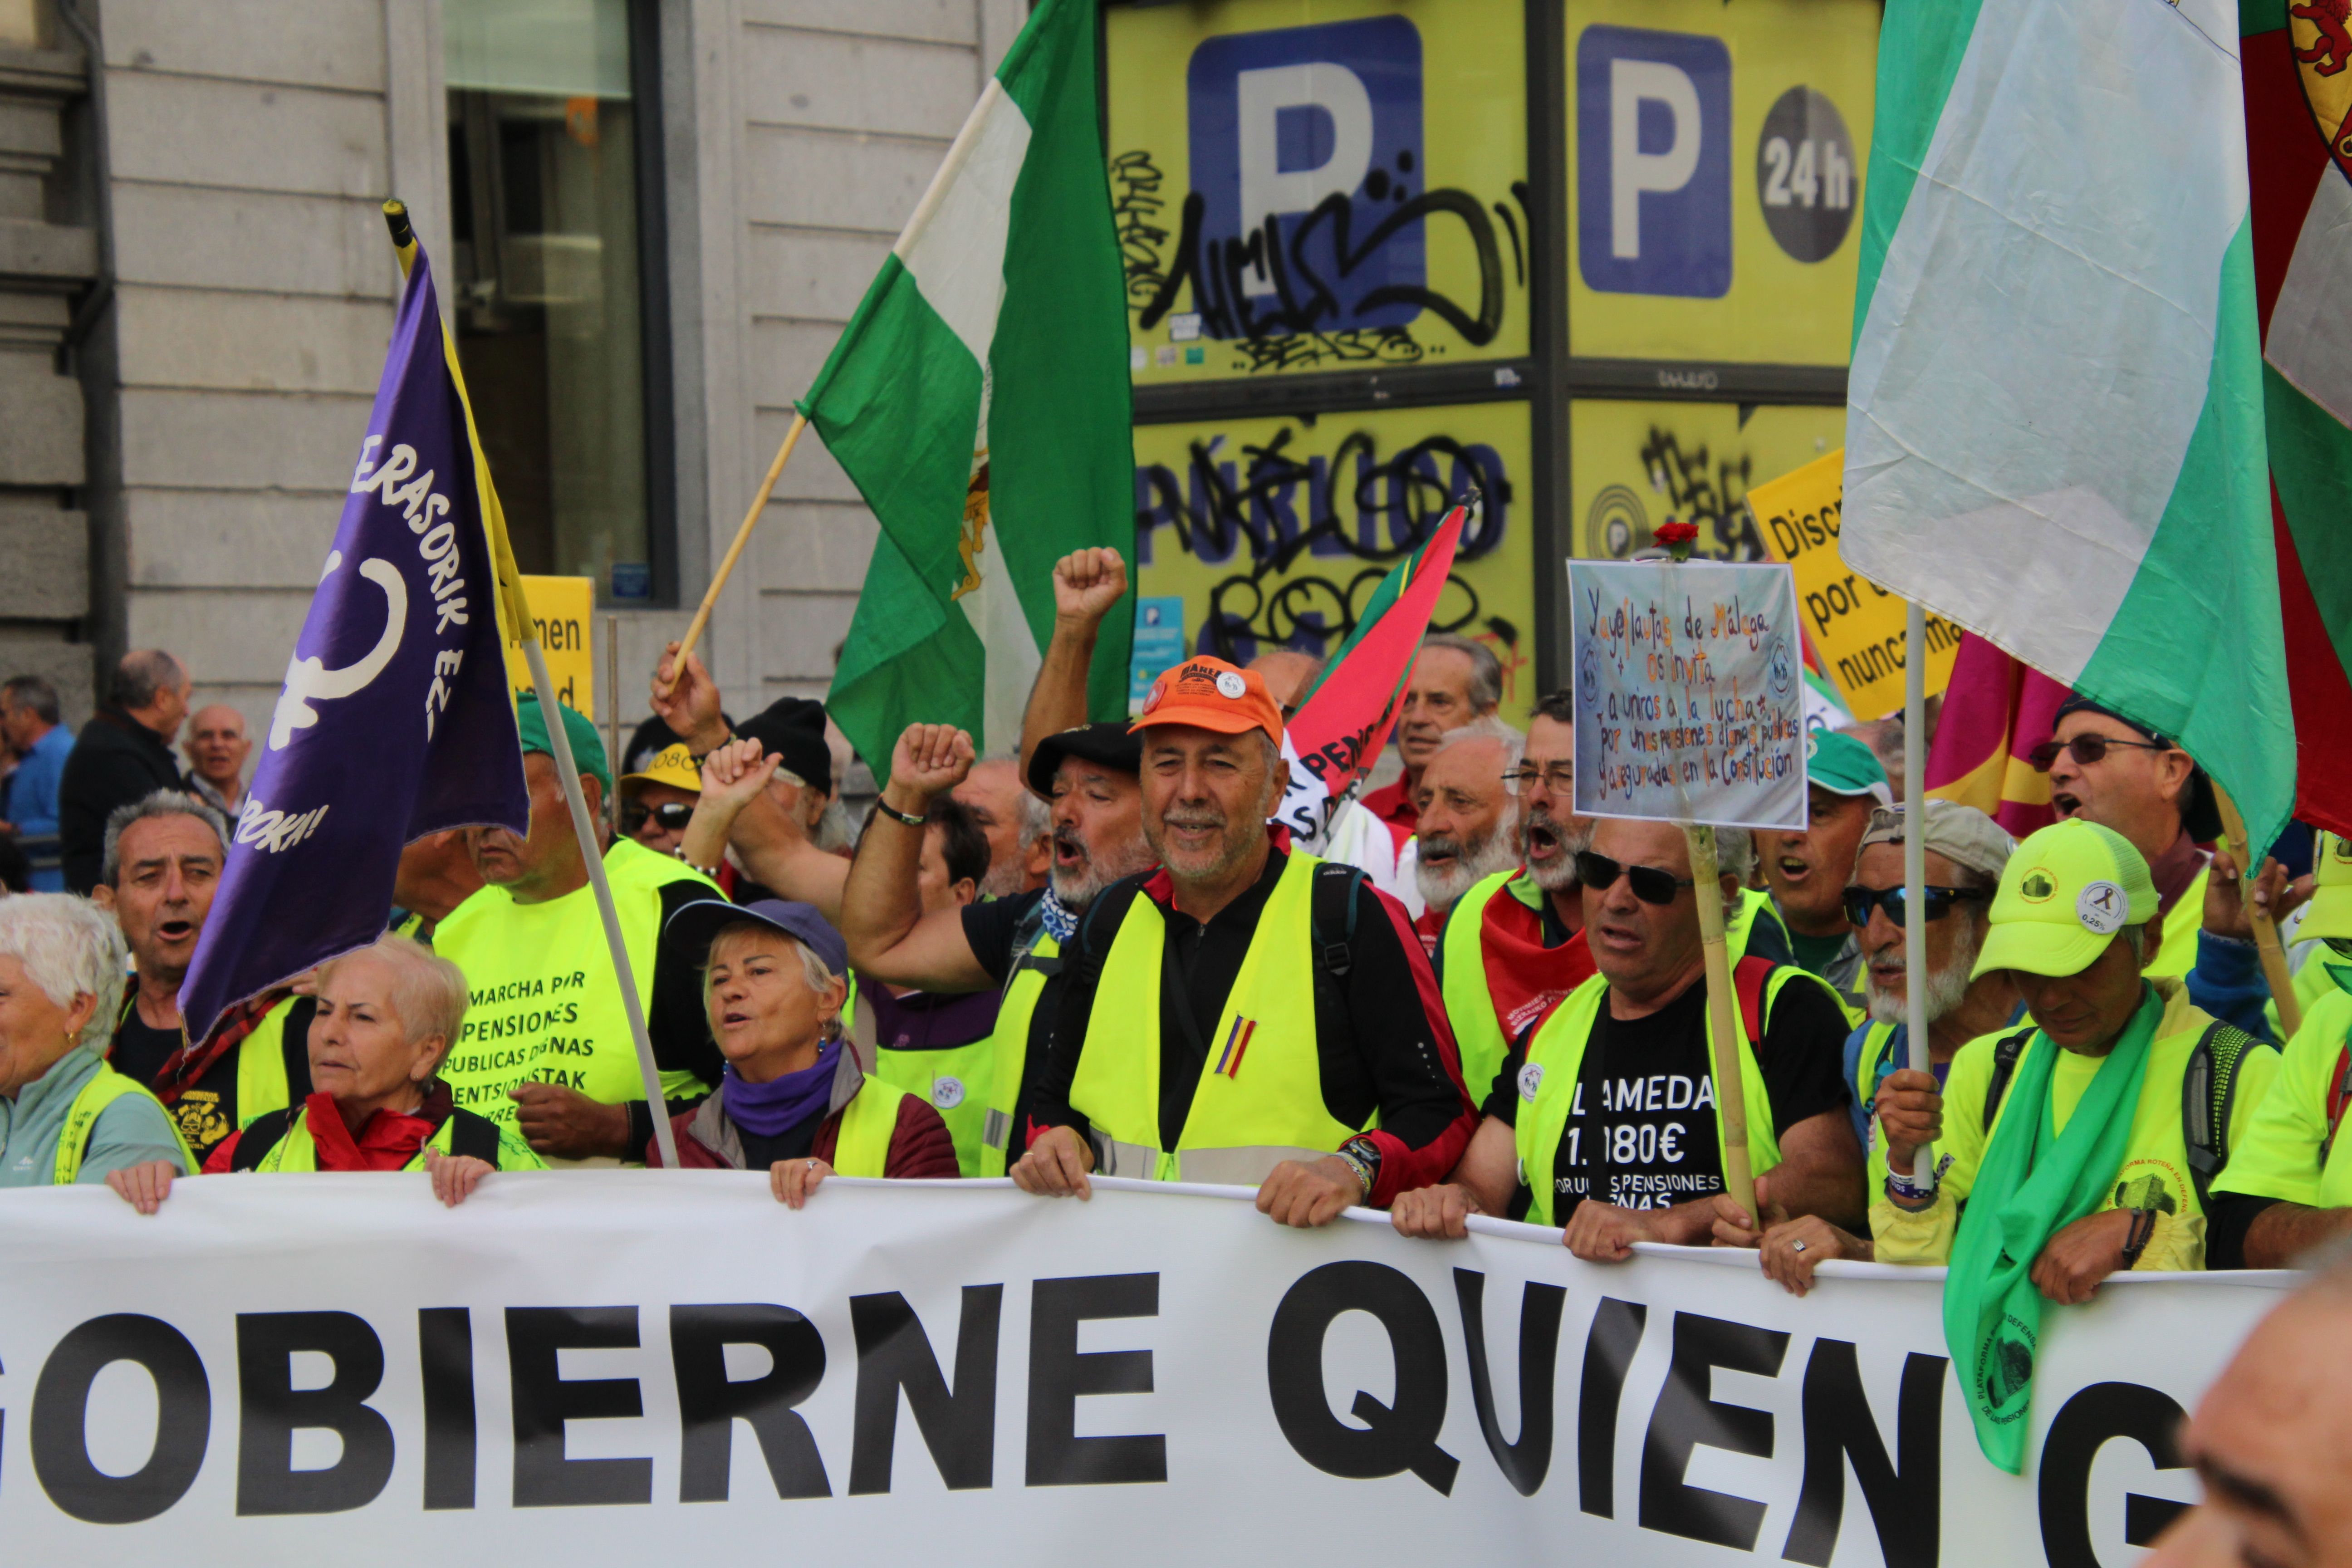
587	748
2329	913
2063	896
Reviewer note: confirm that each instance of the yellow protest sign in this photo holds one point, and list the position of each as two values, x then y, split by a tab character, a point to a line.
562	608
1856	627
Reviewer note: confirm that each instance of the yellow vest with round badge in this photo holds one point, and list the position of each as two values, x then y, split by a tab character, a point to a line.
975	1087
1260	1096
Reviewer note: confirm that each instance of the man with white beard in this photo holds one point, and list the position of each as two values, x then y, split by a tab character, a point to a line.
1469	822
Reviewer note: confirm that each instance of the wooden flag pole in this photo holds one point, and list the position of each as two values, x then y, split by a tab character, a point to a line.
613	716
1915	860
1730	1100
742	537
2275	972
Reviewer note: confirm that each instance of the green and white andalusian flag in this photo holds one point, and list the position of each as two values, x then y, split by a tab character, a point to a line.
979	400
2054	432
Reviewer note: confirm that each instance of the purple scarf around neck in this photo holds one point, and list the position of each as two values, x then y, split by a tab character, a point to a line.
768	1109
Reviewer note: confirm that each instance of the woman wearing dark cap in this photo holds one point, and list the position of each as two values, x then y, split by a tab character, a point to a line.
795	1098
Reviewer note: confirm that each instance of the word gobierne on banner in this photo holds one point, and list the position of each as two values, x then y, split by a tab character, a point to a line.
570	1367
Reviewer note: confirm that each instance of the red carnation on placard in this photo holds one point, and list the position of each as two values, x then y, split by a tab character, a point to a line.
1677	537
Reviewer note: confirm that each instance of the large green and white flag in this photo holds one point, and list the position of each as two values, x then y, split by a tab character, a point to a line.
2054	432
979	400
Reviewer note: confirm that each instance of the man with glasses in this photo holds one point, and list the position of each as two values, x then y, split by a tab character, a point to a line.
1966	854
658	801
2285	1192
1807	868
1514	944
2104	769
1603	1119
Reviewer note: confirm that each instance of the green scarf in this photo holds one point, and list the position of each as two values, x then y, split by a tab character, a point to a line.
2031	1183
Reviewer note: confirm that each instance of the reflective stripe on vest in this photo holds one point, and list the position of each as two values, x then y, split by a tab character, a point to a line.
1557	1051
81	1119
1260	1096
862	1146
545	1002
1012	1042
1469	999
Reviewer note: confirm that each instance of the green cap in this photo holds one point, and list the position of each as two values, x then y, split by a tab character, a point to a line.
2063	896
1844	765
2329	913
587	750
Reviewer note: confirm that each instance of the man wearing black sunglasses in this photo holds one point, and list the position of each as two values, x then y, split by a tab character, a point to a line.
2105	769
1608	1105
657	801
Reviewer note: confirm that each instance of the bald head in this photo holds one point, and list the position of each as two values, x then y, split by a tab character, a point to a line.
217	746
1288	673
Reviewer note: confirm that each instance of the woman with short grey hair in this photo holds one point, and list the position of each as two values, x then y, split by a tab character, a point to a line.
66	1117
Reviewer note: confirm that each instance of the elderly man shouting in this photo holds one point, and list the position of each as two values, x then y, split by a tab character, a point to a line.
1246	1014
1469	823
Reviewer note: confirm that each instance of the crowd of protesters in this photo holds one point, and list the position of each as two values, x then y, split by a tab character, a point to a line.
1092	956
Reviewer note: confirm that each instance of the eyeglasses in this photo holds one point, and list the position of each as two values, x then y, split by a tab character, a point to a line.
1860	901
2085	750
1650	885
1560	778
672	815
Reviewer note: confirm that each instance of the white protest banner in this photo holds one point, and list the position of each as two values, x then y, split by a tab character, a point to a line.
647	1367
1690	697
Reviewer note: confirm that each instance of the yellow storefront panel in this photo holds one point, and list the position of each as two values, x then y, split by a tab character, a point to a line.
1715	165
1637	464
1306	185
1277	531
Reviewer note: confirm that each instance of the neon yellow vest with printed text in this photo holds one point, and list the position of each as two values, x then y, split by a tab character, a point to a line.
544	1002
1555	1061
103	1090
296	1150
974	1086
1260	1098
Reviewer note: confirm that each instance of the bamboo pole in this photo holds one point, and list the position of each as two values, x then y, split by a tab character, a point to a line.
1914	857
742	537
2275	972
1731	1099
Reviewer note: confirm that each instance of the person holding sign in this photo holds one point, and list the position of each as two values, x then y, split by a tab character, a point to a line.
1248	1014
1603	1119
1807	868
2287	1191
2071	1148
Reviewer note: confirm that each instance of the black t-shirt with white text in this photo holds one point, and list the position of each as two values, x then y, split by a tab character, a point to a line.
1641	1133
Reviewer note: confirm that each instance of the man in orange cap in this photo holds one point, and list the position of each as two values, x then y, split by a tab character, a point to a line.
1245	1014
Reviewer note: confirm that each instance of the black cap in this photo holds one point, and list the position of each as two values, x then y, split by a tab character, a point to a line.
792	727
1114	745
691	929
2200	813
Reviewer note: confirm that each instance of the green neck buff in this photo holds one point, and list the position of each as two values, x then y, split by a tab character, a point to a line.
2034	1181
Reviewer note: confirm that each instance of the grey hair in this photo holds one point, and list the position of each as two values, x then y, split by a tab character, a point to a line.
69	947
1487	727
144	673
162	802
428	990
33	692
813	968
1486	669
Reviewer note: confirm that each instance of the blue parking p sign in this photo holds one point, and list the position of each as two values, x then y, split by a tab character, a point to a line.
1304	140
1654	163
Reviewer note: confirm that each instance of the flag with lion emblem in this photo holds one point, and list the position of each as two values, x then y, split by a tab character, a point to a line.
979	401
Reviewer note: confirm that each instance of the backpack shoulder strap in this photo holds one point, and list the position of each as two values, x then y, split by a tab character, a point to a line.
2005	1054
1332	915
261	1135
2208	1092
474	1135
294	1048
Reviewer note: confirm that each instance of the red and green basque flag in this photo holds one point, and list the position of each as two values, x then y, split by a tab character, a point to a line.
1343	720
2298	81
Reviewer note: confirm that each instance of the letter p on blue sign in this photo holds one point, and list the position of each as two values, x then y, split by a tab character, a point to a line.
1654	163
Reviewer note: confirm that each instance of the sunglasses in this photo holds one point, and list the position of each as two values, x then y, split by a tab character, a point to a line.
2084	749
1650	885
1860	901
673	816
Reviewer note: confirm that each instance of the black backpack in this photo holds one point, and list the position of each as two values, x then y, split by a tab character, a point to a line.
2207	1090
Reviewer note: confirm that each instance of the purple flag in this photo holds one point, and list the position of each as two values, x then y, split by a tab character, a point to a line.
396	719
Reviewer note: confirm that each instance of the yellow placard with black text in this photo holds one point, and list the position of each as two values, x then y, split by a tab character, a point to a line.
562	608
1855	626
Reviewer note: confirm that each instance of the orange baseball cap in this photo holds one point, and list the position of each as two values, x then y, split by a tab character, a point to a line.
1210	694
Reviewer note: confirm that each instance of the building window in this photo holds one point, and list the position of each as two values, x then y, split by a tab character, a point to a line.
557	281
